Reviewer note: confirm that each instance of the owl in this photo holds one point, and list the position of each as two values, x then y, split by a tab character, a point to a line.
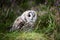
25	22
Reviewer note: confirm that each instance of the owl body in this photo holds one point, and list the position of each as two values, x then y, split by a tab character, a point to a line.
25	21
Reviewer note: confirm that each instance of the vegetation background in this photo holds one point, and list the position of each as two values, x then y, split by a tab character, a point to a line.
47	25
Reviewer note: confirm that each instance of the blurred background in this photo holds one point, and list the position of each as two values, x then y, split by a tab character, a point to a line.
47	25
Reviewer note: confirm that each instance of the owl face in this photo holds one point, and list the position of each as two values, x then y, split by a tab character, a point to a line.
30	16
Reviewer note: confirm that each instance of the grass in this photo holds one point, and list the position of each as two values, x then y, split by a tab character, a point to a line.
44	28
24	36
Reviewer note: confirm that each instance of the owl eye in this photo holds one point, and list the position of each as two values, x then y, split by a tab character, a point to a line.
29	15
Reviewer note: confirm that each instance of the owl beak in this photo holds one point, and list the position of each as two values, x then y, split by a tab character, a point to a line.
31	18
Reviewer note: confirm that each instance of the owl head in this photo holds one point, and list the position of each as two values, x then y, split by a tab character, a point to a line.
29	16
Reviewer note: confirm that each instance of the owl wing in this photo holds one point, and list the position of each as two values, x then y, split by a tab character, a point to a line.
18	24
